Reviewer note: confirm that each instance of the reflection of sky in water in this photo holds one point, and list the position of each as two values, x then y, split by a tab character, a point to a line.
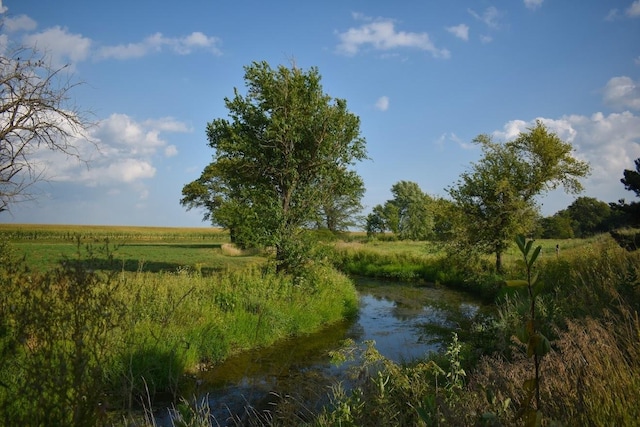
397	332
405	322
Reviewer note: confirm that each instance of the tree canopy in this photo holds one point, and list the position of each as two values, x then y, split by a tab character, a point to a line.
281	160
496	197
409	215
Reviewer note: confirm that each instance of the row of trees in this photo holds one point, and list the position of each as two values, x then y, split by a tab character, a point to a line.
283	163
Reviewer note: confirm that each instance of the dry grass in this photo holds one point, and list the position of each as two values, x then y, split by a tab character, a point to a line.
229	249
591	378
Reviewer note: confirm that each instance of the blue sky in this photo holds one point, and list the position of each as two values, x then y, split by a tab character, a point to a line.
424	77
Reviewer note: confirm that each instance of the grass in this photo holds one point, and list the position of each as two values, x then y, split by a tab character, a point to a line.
589	304
134	249
116	324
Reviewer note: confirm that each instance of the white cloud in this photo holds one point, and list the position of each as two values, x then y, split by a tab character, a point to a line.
637	60
609	143
3	9
18	23
125	154
633	10
461	31
533	4
382	103
382	35
622	92
157	43
62	46
491	17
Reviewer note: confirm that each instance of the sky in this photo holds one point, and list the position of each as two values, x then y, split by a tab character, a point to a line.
425	78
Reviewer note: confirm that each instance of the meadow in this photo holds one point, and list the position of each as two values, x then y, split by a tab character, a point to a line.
96	316
113	317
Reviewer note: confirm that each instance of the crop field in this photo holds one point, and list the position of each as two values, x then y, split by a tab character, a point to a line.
129	249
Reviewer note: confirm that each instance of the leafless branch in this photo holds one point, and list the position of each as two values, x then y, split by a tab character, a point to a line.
36	113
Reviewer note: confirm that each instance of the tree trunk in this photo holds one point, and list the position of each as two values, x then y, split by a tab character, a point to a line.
498	261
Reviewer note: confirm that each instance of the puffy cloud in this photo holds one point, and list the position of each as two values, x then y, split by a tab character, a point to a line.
63	46
461	31
157	43
123	152
610	143
381	34
18	23
382	103
533	4
622	92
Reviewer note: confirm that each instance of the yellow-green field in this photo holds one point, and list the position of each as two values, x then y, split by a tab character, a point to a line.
131	249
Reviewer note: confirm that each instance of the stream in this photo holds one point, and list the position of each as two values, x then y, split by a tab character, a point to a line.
406	323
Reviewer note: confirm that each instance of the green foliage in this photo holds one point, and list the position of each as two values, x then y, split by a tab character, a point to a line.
529	333
73	340
281	160
386	393
56	342
631	211
410	214
495	199
557	226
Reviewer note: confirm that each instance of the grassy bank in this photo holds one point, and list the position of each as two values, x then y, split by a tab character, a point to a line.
588	307
91	333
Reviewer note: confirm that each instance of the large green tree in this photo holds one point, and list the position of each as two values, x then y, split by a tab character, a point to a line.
496	197
283	155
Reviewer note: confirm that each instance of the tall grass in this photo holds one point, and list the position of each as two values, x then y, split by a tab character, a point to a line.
589	305
73	340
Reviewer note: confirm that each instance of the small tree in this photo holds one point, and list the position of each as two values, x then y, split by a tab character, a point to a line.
281	157
409	214
496	198
35	112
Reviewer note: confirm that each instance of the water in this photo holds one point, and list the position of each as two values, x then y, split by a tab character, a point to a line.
406	323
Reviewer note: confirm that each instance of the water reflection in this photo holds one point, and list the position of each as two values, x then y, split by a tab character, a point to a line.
406	323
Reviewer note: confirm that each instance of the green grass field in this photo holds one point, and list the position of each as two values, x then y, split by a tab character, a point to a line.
133	249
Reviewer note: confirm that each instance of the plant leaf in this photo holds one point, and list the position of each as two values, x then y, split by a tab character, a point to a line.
536	252
527	248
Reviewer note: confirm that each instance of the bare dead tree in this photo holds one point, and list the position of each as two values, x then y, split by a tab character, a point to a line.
36	113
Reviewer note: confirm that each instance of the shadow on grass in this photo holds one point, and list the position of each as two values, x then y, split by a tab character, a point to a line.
177	245
138	265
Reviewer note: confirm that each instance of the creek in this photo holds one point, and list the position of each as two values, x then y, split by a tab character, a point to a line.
406	322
